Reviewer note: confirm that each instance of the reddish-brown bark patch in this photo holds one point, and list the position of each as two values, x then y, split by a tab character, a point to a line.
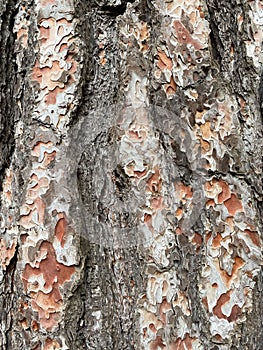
152	328
197	239
238	264
157	344
61	230
225	194
235	313
48	158
171	88
55	275
205	302
148	221
154	184
234	205
224	298
51	97
254	237
217	241
164	62
51	344
183	191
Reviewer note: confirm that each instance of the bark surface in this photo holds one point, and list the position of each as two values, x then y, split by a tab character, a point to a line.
131	174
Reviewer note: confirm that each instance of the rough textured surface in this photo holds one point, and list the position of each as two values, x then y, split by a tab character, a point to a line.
131	174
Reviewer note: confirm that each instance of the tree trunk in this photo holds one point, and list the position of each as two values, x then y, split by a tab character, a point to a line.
131	174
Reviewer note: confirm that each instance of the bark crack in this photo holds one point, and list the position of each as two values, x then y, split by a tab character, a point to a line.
9	112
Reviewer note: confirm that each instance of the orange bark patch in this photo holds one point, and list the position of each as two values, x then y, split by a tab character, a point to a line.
179	213
35	326
24	323
206	130
103	59
217	241
183	191
51	344
139	135
61	230
165	287
205	146
144	36
234	205
40	206
225	194
230	222
184	37
170	89
178	231
164	62
238	264
37	74
201	12
63	47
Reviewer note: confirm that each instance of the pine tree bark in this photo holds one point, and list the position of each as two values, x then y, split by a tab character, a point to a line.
131	174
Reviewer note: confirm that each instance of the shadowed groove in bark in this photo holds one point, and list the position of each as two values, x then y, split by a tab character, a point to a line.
252	330
8	301
238	75
115	10
107	319
9	112
226	40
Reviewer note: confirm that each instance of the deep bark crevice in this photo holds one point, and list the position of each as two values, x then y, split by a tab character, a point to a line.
115	11
9	111
8	300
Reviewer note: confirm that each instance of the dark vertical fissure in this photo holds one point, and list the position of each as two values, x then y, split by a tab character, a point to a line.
110	274
9	112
